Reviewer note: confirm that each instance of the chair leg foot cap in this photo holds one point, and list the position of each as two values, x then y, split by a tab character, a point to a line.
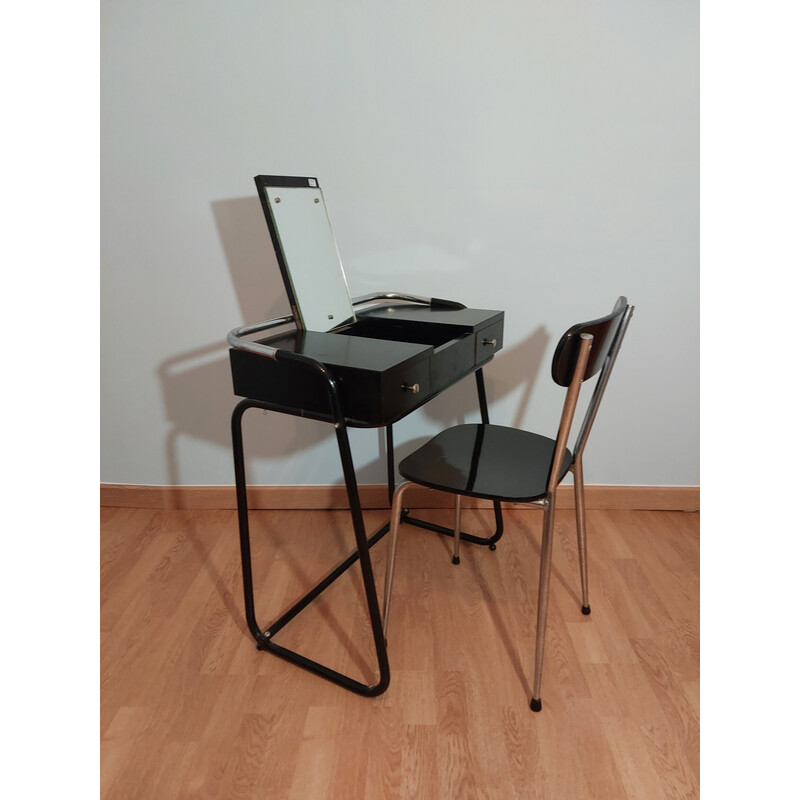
586	610
536	705
456	560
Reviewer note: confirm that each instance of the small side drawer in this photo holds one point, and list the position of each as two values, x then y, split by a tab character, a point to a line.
488	341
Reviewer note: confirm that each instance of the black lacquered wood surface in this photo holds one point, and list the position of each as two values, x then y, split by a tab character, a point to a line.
489	461
602	330
390	361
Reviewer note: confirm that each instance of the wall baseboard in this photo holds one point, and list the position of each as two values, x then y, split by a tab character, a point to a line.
647	498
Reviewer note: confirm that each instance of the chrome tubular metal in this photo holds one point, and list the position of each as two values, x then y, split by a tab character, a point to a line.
397	509
433	302
570	402
544	597
409	298
602	381
580	519
236	341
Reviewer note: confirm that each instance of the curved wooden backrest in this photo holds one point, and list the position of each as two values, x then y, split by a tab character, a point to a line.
602	330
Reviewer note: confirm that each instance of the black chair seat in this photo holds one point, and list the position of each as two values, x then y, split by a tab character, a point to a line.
489	461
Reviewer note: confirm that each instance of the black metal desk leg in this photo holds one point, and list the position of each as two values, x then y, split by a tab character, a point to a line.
363	557
482	396
390	462
244	524
498	512
264	638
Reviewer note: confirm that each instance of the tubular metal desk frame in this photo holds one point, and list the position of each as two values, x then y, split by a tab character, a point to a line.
264	638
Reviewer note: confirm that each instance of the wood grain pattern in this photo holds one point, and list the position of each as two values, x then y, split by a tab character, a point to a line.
190	709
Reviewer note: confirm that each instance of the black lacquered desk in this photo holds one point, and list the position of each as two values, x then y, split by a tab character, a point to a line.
398	353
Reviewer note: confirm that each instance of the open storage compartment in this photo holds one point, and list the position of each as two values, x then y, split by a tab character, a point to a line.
400	330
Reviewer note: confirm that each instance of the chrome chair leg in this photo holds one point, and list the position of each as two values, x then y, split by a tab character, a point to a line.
397	509
457	530
580	518
544	596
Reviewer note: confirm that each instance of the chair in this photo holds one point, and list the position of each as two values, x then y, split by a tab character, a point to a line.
499	463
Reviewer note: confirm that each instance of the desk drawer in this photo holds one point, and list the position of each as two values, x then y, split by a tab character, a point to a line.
488	341
405	389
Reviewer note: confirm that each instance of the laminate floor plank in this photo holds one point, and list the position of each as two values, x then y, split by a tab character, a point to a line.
191	709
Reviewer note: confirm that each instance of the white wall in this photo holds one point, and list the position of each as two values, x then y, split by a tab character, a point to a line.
539	157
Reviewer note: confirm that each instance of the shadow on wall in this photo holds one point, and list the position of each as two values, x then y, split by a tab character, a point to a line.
197	387
251	260
512	367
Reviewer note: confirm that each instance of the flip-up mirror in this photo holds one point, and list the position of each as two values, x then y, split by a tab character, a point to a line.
306	251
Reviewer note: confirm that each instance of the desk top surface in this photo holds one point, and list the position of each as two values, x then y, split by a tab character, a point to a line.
340	350
386	336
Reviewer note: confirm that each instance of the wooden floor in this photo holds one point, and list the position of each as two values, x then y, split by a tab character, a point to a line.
190	708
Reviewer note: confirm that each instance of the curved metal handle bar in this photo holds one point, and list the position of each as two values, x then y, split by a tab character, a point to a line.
408	298
234	337
234	340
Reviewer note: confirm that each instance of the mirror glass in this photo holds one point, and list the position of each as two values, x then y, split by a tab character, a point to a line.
315	274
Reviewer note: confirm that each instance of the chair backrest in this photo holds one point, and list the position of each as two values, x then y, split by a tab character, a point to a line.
601	330
572	365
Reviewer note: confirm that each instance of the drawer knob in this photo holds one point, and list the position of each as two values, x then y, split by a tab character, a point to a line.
490	342
411	387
